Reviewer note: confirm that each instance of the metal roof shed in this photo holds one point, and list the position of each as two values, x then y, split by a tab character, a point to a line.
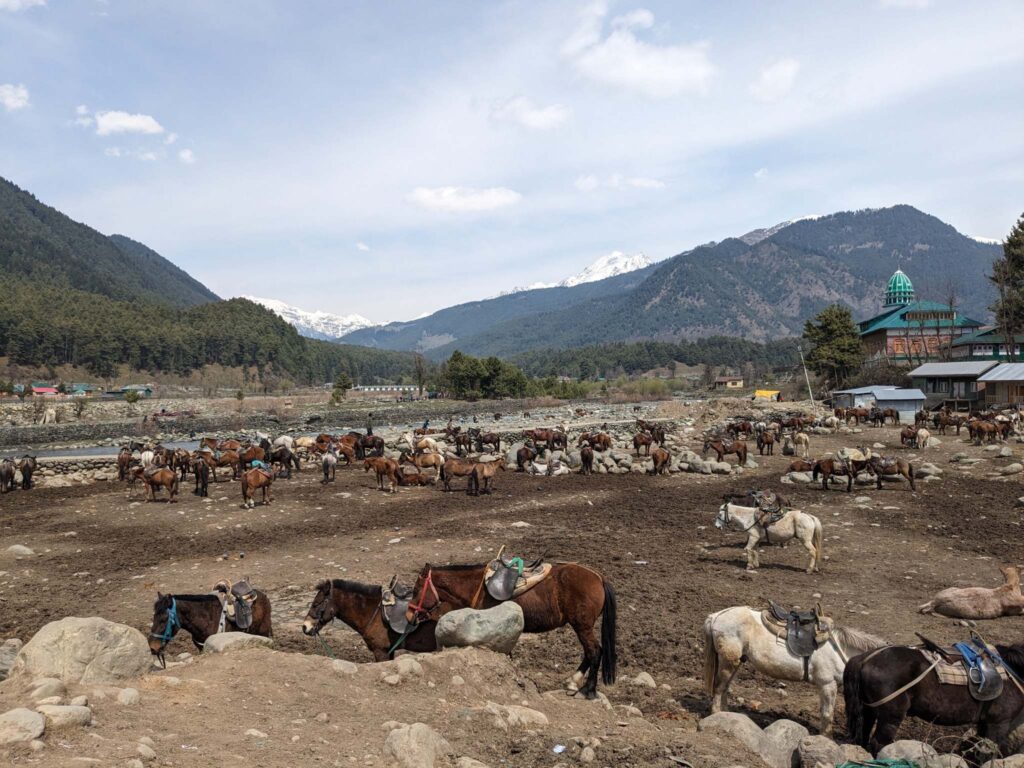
906	402
1004	384
860	397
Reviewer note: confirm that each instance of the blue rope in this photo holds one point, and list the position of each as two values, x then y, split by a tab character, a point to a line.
173	624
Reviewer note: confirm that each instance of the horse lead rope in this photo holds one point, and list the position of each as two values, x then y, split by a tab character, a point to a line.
905	688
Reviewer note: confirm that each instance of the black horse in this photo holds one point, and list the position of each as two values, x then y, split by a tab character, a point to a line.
871	678
202	472
27	465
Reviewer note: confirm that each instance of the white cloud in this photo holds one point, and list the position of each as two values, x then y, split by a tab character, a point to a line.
147	156
590	182
108	123
13	96
171	138
760	173
464	199
622	60
775	80
186	156
81	109
19	5
361	246
113	152
529	115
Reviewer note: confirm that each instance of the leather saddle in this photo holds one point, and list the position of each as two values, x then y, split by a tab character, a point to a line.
976	663
394	600
506	579
237	600
803	631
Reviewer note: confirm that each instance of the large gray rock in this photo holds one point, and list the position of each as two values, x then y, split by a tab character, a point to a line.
61	716
1012	469
782	740
234	641
8	652
496	628
415	746
91	650
736	726
945	761
21	725
818	749
1013	761
907	749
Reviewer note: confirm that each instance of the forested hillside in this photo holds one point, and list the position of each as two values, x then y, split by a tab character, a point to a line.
46	247
45	325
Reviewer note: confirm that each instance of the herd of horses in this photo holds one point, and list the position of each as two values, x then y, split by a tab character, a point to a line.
9	468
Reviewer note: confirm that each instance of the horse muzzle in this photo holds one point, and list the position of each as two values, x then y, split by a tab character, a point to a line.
310	628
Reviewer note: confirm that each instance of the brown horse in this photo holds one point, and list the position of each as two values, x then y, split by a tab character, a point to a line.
202	472
483	473
27	466
253	480
829	467
383	467
572	594
586	460
661	459
359	606
765	442
599	441
453	468
723	449
858	415
160	477
800	465
879	466
251	453
200	616
462	441
415	479
491	439
871	679
423	460
642	440
525	455
124	461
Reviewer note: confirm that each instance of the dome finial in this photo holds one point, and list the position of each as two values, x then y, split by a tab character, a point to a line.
899	291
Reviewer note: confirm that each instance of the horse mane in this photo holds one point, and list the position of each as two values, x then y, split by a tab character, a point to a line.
458	567
353	586
857	640
164	601
1013	655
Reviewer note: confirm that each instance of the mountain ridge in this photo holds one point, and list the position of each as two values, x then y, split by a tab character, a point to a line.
315	324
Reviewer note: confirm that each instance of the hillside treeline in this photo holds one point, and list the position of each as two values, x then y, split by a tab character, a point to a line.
49	326
609	360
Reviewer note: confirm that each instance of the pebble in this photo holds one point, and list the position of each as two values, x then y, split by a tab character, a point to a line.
587	755
255	734
145	752
128	697
147	741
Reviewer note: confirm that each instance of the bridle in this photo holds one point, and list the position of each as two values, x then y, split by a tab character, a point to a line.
419	608
171	627
321	610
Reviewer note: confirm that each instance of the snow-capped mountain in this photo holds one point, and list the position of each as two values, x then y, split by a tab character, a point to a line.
317	324
609	265
757	235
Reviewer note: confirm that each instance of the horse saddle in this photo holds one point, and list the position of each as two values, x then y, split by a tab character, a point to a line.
803	631
768	502
394	601
237	600
151	470
974	664
883	462
506	579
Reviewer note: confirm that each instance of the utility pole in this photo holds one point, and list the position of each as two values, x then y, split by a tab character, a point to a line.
807	378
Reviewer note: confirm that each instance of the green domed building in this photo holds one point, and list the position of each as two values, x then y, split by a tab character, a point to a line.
912	330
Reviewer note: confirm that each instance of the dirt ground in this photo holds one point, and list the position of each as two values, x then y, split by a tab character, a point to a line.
99	553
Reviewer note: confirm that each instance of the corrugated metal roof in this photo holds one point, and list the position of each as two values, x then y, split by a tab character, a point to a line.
969	368
1004	372
894	318
862	390
898	394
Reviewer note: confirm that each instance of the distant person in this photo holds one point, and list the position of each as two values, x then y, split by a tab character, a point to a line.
369	423
426	424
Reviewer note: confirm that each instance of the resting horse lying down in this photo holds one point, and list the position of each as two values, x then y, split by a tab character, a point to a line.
980	602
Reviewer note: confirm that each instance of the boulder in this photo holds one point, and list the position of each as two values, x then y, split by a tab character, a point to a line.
8	651
1013	761
1012	469
415	746
61	716
944	761
496	628
907	749
21	726
721	468
738	727
19	550
927	470
642	680
855	753
818	749
508	716
233	641
781	742
800	477
91	650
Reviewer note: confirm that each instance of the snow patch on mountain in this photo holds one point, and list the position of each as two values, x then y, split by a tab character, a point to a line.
987	240
609	265
315	324
757	235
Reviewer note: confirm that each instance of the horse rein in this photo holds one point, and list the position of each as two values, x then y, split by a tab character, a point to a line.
418	607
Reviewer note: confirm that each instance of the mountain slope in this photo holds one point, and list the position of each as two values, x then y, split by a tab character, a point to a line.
46	247
768	288
464	321
316	324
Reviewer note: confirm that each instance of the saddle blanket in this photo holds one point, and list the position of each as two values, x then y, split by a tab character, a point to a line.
955	673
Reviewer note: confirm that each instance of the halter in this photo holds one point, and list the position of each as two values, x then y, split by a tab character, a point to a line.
419	608
173	625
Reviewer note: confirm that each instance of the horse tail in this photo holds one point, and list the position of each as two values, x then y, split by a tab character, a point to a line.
174	485
928	607
854	705
816	540
609	654
710	658
816	470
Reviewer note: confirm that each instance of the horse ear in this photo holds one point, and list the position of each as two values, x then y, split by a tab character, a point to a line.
159	595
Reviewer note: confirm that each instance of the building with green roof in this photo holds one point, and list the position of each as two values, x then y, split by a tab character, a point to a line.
909	329
987	343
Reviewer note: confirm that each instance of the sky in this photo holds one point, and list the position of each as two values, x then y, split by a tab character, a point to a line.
390	159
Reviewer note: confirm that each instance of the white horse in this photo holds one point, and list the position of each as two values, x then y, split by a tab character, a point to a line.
738	634
804	442
794	524
421	444
285	440
147	457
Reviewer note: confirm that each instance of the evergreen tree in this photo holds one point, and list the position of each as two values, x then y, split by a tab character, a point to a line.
836	351
341	387
1008	276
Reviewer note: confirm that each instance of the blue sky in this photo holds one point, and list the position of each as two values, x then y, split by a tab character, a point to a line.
394	158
